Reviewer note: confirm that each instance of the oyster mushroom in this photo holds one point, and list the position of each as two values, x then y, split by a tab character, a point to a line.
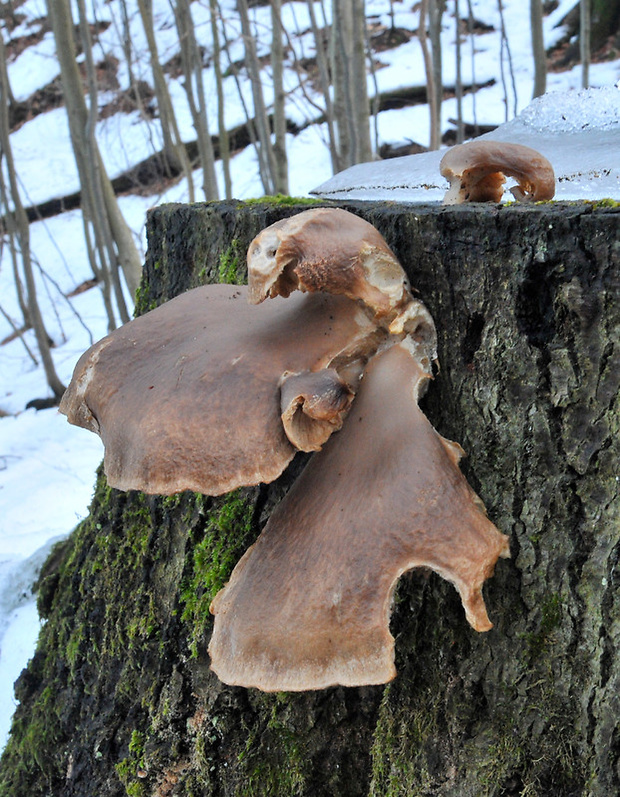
162	390
308	605
333	251
329	250
187	396
478	169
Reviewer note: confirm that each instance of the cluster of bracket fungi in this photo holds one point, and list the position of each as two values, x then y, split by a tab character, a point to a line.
326	350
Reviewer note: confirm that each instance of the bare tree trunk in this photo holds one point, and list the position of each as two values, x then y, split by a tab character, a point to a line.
459	78
340	72
279	101
194	88
127	256
5	202
323	66
99	271
351	104
435	13
250	118
375	100
505	54
267	162
431	94
585	33
474	87
221	120
174	149
538	48
360	101
94	205
17	223
20	291
128	53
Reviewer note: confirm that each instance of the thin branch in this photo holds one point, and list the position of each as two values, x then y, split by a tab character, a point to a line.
19	333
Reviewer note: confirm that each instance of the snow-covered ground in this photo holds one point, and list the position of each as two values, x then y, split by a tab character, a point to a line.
46	466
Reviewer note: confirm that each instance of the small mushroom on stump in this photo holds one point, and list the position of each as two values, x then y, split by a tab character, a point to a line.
313	404
478	169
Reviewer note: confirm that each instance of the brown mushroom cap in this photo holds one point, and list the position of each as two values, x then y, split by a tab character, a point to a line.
329	250
308	605
477	171
187	397
314	404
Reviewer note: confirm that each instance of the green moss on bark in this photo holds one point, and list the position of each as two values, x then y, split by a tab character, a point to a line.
217	546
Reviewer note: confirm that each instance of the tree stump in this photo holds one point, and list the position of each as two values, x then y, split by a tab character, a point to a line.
119	698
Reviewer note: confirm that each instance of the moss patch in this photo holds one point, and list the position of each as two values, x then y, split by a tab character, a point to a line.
229	271
128	602
216	548
283	201
283	771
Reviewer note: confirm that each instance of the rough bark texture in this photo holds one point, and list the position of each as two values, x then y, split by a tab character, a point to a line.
119	698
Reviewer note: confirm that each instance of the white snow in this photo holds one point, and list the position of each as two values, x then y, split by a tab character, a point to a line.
34	68
47	467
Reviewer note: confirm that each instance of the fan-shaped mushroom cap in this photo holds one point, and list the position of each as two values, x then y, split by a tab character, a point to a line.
308	605
478	169
187	397
329	250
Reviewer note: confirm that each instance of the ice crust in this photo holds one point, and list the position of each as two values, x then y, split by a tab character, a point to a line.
579	132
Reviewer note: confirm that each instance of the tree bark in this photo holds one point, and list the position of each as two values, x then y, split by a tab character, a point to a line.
224	143
351	106
585	35
322	64
435	14
93	207
538	48
119	698
431	94
266	156
279	99
505	55
458	88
